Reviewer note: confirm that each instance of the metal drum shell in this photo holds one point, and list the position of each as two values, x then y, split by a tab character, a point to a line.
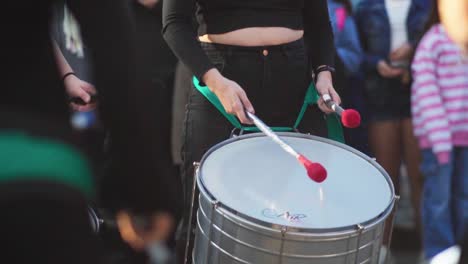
237	238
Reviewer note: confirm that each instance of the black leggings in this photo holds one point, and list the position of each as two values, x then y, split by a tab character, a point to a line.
275	79
46	230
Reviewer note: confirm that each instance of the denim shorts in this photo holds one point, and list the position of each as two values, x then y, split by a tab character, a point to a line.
387	99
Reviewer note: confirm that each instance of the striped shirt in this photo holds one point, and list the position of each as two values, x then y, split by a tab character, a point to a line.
439	94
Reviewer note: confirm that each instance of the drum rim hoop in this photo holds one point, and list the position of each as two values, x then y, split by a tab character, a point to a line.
257	223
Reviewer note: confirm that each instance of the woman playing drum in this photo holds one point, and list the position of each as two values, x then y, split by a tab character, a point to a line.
254	53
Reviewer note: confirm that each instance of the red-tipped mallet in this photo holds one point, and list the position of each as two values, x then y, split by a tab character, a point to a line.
349	117
315	171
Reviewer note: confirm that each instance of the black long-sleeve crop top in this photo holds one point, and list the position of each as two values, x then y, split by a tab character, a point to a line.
221	16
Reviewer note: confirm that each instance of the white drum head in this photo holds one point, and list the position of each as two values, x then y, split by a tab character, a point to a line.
255	177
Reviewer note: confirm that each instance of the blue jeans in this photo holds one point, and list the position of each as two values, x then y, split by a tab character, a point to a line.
445	201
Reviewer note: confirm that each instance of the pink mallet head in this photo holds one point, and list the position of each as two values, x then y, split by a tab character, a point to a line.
351	118
315	171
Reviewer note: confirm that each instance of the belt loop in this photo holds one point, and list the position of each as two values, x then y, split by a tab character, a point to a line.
229	52
284	49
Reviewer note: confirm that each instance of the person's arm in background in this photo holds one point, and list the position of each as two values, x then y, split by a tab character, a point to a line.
429	113
454	16
406	51
75	87
372	62
108	31
318	36
350	50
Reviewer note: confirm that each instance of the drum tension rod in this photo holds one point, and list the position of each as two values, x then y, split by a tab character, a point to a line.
214	207
284	230
360	229
396	200
196	165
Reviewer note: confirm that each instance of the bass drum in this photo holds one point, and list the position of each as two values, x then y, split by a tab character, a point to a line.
257	204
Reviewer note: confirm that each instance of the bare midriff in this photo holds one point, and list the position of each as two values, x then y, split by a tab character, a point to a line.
255	36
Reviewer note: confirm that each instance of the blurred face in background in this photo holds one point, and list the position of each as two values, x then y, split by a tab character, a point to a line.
148	3
454	16
355	3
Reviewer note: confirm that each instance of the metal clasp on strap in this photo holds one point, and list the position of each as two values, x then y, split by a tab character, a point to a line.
235	134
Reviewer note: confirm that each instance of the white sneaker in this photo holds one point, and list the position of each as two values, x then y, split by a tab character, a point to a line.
449	256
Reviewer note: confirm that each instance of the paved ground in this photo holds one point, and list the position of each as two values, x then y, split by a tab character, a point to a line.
406	245
406	248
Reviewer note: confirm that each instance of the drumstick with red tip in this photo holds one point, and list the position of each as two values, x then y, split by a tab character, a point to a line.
315	171
349	117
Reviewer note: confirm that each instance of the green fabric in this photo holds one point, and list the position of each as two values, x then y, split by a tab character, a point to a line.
311	98
24	157
215	101
335	130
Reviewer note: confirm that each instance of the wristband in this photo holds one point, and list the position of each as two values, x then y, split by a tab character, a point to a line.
324	68
66	75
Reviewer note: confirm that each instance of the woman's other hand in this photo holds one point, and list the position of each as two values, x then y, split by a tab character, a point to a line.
324	86
388	71
406	78
157	229
403	53
232	96
77	88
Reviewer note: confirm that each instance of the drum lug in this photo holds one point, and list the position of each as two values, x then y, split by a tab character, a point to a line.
360	229
396	200
284	230
196	165
214	207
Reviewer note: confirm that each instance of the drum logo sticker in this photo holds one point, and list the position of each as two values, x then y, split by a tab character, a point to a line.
288	216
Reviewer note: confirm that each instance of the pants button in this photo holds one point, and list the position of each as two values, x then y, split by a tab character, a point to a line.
265	52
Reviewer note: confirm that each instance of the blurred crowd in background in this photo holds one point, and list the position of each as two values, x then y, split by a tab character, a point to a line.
395	64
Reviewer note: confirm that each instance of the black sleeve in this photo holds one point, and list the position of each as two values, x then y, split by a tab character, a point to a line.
124	104
180	35
318	33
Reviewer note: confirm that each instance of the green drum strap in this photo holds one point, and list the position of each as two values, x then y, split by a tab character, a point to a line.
335	130
215	101
24	157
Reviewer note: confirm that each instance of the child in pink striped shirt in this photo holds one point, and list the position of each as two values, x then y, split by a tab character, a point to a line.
440	119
